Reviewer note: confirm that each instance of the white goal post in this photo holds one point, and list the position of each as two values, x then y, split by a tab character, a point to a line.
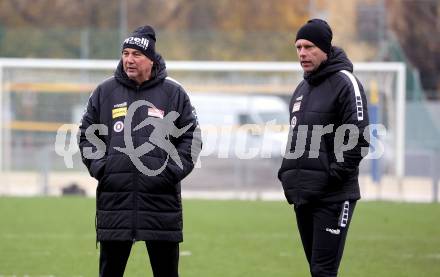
397	92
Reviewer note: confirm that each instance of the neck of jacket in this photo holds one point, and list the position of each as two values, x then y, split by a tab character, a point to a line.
336	62
158	74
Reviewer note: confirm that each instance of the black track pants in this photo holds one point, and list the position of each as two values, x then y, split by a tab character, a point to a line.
323	228
164	258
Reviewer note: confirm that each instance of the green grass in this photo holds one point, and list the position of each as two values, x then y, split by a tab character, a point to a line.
55	237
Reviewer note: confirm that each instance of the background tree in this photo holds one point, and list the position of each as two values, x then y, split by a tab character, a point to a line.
417	26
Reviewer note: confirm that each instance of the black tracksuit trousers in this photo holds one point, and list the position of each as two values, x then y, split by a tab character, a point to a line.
164	258
323	228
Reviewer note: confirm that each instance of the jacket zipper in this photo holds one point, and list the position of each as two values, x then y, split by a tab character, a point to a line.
304	105
135	183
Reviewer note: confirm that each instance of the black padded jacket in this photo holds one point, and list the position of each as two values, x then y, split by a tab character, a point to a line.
327	102
134	202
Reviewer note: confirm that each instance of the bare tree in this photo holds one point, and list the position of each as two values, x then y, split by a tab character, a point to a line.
417	25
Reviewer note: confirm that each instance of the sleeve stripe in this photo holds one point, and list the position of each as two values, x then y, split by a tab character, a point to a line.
357	93
173	80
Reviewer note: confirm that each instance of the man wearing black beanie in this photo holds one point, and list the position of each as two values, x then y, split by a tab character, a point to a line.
315	34
151	136
329	108
141	41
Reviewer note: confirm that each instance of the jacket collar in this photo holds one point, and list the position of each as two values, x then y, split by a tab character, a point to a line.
158	73
336	61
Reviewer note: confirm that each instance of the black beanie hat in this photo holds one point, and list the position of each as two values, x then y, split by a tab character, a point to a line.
318	32
144	40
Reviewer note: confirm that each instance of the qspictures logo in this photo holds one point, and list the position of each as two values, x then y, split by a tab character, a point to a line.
164	127
228	142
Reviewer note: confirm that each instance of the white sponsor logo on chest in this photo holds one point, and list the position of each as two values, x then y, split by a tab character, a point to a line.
293	122
296	107
156	112
124	104
118	126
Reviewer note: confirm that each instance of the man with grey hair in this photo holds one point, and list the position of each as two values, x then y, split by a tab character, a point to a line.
322	183
152	141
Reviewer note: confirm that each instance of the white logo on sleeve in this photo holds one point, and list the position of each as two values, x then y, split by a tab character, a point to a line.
357	93
293	122
333	231
296	107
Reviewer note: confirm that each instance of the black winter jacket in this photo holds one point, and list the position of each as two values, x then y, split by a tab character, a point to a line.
330	96
130	204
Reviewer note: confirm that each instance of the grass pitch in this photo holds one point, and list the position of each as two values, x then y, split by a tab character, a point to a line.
55	237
